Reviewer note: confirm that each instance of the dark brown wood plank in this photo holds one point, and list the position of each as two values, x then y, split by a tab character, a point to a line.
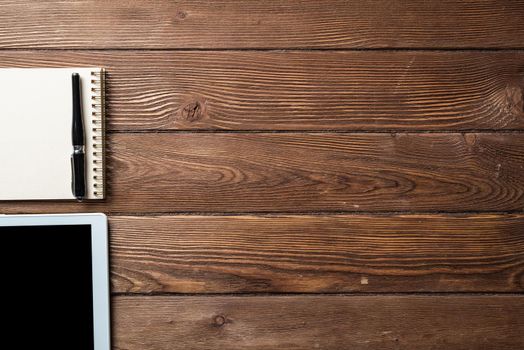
319	322
303	90
261	24
360	253
268	172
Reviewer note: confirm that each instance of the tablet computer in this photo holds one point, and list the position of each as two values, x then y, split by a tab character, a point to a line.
55	281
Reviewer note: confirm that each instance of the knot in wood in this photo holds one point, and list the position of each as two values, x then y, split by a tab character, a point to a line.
192	111
514	99
219	320
181	14
470	139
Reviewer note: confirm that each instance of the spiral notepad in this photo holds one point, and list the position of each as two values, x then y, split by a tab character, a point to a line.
35	132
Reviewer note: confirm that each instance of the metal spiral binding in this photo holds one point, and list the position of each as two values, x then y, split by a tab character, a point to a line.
97	142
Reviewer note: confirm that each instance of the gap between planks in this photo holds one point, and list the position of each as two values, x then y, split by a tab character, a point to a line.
304	294
316	131
273	49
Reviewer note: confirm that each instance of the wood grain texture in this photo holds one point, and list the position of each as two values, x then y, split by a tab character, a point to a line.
262	24
216	66
312	254
302	90
319	322
268	172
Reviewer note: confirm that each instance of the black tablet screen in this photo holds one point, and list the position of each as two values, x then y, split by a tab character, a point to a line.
47	287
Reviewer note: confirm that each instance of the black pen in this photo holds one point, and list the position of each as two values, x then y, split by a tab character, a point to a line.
78	183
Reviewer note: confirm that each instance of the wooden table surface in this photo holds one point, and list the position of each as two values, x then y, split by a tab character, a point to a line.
302	174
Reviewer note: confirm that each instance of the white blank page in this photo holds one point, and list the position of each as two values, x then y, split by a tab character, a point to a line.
35	131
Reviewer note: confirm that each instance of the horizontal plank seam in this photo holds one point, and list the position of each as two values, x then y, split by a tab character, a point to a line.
315	213
315	131
345	294
266	49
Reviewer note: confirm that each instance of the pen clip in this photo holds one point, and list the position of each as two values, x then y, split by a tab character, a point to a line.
73	176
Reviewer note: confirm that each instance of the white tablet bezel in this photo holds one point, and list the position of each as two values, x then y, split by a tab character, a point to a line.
100	263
